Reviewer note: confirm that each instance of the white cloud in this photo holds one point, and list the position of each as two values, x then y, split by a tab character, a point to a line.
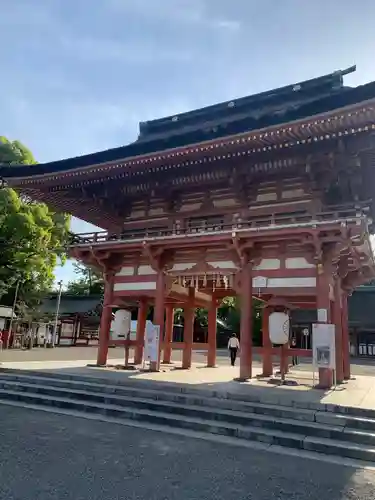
197	13
131	52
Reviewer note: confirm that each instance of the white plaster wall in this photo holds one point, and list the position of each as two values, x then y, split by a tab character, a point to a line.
144	270
293	193
297	263
291	282
126	271
223	264
266	197
145	285
183	266
226	202
267	264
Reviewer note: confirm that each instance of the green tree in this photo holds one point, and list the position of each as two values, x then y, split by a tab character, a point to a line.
89	281
32	237
229	313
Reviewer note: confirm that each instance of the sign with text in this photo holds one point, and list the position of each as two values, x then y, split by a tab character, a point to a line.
152	334
324	348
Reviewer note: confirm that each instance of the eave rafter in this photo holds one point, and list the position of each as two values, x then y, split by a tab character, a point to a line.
356	119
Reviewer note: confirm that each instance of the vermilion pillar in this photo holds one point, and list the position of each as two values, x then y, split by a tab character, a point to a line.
345	336
140	336
105	320
188	330
267	344
246	323
338	332
167	353
323	303
159	313
211	353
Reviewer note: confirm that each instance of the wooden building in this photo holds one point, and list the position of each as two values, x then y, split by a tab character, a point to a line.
78	318
270	194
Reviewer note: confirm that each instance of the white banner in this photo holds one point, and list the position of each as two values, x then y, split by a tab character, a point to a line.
324	346
152	334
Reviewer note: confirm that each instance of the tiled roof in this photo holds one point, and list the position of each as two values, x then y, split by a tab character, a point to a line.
256	112
70	304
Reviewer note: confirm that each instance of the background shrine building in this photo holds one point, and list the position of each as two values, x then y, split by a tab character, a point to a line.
267	195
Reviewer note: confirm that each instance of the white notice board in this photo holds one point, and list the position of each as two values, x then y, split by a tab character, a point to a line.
152	334
324	348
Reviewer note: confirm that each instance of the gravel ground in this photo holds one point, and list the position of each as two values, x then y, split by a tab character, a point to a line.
47	456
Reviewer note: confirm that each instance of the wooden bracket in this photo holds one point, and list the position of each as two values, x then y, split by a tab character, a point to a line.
109	263
159	258
241	251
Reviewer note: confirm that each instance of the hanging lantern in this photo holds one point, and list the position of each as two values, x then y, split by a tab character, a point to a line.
218	281
192	282
205	281
231	281
197	283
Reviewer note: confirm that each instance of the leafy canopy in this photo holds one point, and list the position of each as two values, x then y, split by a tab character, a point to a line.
89	281
32	237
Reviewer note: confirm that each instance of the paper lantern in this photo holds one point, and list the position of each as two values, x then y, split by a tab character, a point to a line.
121	322
279	326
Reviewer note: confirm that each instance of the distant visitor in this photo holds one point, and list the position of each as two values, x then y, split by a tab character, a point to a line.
233	347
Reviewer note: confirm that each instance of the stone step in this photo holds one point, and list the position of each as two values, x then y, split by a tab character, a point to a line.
306	408
191	410
196	399
244	432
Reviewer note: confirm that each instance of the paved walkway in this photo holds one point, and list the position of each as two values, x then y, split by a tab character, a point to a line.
46	456
358	392
360	366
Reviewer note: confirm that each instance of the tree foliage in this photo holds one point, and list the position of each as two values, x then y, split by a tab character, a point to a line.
230	313
32	237
89	281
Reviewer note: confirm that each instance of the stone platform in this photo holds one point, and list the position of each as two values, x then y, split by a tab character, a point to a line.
358	392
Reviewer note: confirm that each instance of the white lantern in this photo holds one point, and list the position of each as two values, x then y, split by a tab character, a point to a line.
279	326
121	323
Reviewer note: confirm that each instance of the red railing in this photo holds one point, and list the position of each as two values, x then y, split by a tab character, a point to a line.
344	216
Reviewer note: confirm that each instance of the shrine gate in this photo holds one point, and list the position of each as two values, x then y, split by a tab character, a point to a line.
268	195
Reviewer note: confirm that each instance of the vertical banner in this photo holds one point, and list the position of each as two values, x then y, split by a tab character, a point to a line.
152	334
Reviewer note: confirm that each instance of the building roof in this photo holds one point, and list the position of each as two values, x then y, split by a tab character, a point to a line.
71	304
361	305
272	108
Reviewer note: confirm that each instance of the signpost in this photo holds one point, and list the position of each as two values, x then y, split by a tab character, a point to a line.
306	334
151	348
324	349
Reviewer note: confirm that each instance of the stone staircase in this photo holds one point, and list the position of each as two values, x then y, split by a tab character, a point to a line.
330	430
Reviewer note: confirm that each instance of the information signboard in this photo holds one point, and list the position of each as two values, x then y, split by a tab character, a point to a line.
151	348
323	341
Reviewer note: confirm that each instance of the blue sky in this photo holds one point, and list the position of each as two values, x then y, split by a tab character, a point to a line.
78	76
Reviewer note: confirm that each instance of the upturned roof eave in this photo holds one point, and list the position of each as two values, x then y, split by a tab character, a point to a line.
142	160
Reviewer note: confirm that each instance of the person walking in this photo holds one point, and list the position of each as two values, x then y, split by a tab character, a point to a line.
233	347
294	346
